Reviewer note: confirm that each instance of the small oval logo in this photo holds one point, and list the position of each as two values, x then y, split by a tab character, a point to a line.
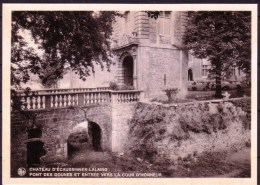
21	171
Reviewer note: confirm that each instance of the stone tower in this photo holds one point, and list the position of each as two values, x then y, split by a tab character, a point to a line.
149	52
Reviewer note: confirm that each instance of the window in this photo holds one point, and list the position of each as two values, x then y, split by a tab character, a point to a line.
204	70
190	75
165	23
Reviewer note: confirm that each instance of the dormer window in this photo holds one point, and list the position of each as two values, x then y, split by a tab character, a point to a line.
165	23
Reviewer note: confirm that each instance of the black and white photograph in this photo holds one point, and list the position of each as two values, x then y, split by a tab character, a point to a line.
123	95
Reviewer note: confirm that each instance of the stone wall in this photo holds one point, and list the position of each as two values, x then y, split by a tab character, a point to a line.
182	130
196	65
57	125
121	115
164	64
141	24
184	74
18	146
163	68
160	57
170	131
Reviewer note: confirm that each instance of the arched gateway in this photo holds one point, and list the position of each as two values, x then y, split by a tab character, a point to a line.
85	137
128	71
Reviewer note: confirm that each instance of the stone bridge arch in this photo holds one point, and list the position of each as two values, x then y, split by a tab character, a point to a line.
58	124
96	123
84	137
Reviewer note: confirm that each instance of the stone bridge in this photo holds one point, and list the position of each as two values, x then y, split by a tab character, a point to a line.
60	113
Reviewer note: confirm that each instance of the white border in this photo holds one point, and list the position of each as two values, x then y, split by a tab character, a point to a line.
8	8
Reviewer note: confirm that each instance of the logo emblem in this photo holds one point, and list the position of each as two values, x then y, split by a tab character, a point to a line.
21	171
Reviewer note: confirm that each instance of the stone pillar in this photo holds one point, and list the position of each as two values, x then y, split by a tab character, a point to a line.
48	101
135	76
119	67
142	96
81	99
113	97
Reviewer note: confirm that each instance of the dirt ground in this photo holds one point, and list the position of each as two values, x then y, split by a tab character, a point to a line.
242	160
219	164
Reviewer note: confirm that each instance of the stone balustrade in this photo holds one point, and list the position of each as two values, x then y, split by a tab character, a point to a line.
125	96
40	100
46	91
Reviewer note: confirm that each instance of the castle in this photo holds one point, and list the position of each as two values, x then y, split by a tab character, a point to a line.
148	51
147	54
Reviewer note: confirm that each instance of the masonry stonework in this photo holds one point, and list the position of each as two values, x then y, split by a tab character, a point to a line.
161	73
121	115
116	123
161	62
57	125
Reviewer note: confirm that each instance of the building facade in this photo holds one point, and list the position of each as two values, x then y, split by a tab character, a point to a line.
198	70
147	55
148	52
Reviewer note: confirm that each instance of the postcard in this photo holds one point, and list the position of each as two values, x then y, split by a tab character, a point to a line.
129	94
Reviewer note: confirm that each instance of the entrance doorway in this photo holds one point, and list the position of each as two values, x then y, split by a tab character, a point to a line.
128	71
94	131
84	140
190	75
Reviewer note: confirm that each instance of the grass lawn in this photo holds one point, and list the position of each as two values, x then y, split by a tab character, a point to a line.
202	95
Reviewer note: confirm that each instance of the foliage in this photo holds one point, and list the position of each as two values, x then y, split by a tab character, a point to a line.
114	86
69	40
126	87
224	38
155	125
18	104
245	105
48	77
171	93
153	14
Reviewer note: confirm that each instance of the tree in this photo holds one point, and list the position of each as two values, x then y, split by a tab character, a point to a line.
153	14
222	37
48	77
70	40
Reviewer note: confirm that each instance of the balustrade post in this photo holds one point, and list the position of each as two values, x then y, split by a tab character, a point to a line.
135	77
48	101
113	97
141	96
81	99
66	99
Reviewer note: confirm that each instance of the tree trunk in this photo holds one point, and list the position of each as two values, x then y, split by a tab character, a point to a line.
218	92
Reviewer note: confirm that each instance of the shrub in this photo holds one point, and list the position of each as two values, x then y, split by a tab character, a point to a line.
171	93
126	87
113	86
